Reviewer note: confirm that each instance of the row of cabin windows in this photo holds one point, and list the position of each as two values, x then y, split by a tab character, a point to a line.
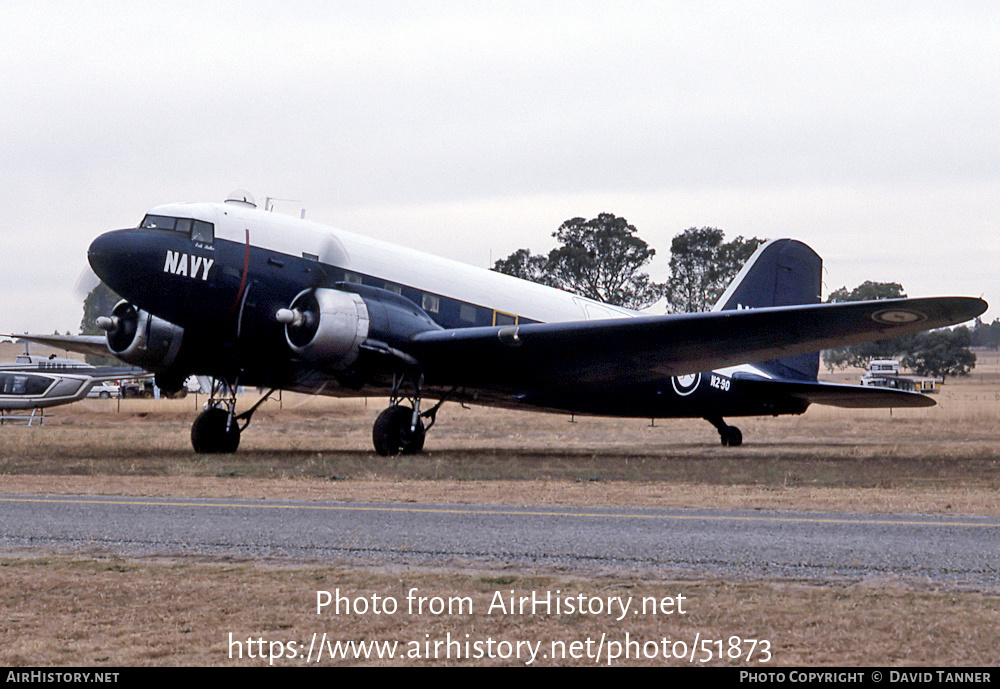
466	312
431	303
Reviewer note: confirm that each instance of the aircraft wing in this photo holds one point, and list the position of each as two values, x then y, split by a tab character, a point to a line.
581	354
82	344
104	373
838	395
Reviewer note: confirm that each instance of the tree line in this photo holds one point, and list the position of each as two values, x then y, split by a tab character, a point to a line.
938	353
986	335
603	259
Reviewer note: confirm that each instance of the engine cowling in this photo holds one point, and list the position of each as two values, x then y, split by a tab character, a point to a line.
326	326
141	339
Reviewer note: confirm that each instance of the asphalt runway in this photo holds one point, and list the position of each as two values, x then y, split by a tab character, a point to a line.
954	551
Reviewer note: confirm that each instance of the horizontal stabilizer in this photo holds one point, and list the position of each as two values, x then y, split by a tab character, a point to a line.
837	395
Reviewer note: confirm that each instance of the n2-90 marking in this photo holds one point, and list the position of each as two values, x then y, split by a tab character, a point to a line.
720	383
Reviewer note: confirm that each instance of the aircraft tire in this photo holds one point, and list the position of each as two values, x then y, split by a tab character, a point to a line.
210	434
732	437
391	434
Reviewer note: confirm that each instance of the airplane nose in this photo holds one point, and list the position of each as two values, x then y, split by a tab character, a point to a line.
102	255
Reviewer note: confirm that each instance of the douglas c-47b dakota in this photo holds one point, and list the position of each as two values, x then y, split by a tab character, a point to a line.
249	297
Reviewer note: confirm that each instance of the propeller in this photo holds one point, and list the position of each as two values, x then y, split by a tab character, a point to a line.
121	326
98	300
85	283
301	318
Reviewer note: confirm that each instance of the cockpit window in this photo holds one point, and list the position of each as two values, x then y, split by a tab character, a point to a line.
198	230
22	384
158	222
203	232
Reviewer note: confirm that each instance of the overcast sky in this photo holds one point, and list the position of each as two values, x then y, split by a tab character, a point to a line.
871	131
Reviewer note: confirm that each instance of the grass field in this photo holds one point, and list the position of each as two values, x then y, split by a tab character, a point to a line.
88	609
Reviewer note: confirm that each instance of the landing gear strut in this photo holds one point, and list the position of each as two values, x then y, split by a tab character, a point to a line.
729	435
400	429
217	429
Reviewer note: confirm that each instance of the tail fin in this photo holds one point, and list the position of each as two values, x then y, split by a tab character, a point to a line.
782	272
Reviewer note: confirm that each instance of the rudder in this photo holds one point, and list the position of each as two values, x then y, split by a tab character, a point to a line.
782	272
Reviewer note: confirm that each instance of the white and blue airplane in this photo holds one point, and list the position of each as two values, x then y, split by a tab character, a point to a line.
33	382
250	297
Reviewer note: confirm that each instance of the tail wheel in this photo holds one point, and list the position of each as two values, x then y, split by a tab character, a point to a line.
393	433
731	437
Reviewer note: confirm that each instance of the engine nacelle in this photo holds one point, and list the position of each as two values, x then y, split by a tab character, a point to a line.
141	339
326	326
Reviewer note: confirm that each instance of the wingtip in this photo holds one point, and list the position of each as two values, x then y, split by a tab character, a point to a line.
972	306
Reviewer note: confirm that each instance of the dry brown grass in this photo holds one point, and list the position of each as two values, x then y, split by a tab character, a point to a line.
62	611
93	611
939	460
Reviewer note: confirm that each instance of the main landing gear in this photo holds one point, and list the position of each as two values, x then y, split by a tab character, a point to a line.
217	429
400	429
729	435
